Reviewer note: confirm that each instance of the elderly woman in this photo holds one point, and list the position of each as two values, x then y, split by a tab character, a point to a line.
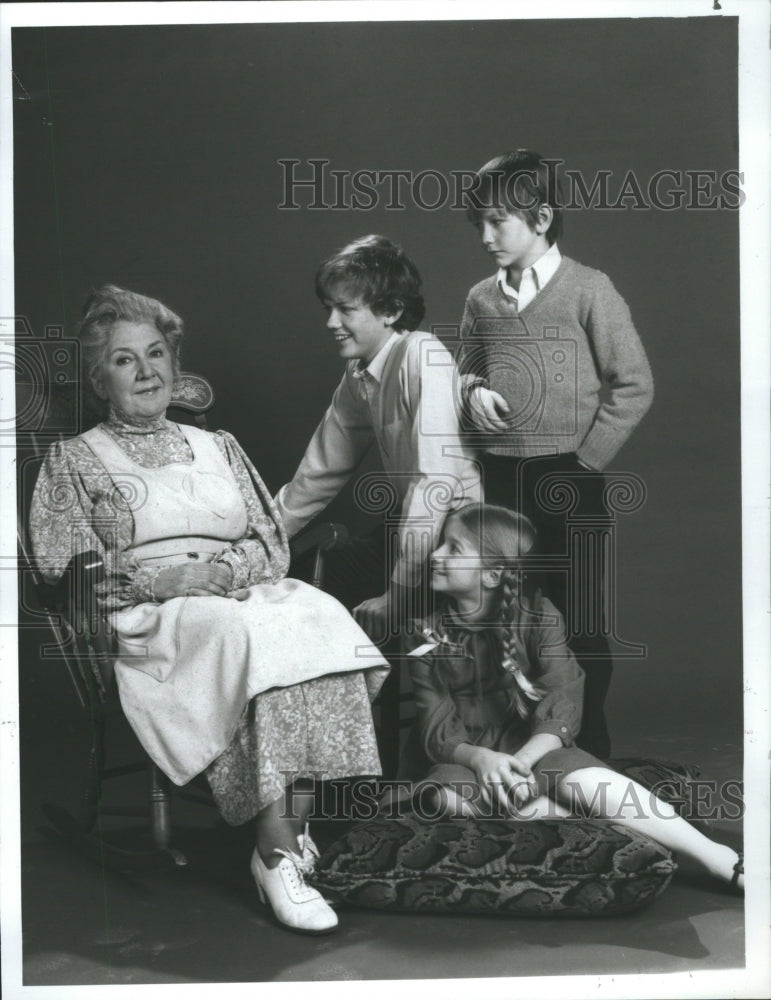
224	666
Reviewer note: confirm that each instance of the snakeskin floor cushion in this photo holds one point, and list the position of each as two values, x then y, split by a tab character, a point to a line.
570	867
672	781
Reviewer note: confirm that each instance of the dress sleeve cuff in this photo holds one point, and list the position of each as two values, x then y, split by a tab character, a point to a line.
142	587
239	565
445	752
559	728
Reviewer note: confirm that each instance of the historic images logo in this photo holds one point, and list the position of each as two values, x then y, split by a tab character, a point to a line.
313	184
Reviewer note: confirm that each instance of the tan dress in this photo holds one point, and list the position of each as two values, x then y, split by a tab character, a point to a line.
255	691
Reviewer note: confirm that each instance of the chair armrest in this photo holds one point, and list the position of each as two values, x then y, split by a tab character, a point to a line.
73	599
321	537
74	589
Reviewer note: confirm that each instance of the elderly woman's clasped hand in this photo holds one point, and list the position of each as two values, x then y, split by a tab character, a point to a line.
196	580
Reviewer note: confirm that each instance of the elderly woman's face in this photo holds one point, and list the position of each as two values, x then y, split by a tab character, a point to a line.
137	374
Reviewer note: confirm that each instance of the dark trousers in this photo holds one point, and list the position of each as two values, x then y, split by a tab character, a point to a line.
531	486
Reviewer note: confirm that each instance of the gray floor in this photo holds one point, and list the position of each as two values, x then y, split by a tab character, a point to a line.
85	922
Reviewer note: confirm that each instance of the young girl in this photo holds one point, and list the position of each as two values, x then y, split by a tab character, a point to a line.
498	699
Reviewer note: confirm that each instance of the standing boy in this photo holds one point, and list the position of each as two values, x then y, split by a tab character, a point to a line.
399	391
556	381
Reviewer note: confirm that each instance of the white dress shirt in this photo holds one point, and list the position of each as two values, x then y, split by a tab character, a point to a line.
533	278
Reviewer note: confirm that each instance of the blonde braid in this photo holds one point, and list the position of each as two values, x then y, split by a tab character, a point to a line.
524	692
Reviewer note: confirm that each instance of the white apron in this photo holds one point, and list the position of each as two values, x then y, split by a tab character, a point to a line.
187	668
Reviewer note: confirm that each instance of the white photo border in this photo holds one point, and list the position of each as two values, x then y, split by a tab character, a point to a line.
755	262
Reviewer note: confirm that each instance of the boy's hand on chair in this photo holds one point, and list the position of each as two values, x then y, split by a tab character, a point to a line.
372	616
489	410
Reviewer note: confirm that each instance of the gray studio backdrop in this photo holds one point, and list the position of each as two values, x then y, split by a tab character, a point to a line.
150	157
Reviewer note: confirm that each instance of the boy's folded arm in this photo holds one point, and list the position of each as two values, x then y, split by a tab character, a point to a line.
488	410
470	374
480	407
625	373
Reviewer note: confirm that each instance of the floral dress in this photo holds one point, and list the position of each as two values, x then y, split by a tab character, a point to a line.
321	726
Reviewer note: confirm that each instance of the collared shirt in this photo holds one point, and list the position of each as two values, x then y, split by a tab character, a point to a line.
405	401
533	278
377	365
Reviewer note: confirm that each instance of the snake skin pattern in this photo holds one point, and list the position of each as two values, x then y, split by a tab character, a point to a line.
571	867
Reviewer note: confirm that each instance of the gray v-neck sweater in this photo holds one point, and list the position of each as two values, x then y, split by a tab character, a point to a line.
570	366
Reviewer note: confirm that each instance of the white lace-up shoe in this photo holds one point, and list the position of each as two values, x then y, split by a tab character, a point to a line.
294	903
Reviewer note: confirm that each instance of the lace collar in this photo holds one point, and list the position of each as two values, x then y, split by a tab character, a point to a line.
121	423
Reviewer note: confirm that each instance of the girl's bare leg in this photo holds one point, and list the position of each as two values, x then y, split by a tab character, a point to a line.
445	803
600	792
541	807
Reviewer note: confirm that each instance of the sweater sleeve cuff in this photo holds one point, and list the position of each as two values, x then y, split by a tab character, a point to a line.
600	447
292	522
468	383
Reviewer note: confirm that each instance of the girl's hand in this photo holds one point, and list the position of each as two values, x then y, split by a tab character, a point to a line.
527	789
505	780
193	580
